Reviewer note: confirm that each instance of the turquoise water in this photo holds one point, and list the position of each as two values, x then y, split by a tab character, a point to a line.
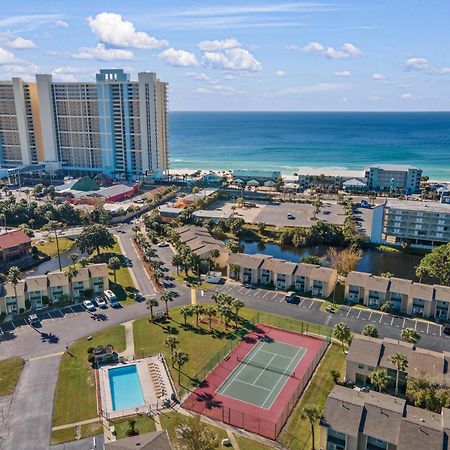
289	140
126	391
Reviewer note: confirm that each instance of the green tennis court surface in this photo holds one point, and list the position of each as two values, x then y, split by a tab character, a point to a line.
262	374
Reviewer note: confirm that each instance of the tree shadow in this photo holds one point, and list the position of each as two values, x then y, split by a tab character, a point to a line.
50	338
7	336
99	317
209	400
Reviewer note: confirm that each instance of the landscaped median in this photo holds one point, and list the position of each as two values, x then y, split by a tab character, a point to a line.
10	371
75	397
49	246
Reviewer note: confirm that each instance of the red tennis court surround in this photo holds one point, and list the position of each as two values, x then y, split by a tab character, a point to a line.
266	422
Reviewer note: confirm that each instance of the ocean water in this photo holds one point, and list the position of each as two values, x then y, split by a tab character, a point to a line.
288	140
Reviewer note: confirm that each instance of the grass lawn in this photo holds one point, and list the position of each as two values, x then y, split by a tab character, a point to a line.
143	423
170	422
296	434
10	370
192	280
49	248
249	444
75	395
124	288
70	434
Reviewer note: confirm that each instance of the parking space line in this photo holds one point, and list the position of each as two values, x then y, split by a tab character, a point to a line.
256	293
12	323
404	320
281	299
415	326
440	330
274	295
73	311
312	303
265	294
428	327
1	331
392	321
348	312
370	315
359	313
301	303
381	318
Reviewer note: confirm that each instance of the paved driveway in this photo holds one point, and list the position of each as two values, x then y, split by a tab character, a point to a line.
28	418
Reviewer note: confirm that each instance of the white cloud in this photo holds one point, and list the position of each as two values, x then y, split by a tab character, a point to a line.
30	22
343	74
70	74
112	29
407	96
310	89
441	70
378	76
348	50
216	45
103	54
220	89
61	24
199	76
280	73
236	59
228	77
202	90
7	57
416	64
179	58
21	43
375	98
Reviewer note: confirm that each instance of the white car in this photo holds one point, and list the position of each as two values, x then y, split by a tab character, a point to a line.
88	306
101	302
163	244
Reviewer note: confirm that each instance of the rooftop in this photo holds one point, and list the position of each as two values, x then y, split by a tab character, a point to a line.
415	206
13	238
393	167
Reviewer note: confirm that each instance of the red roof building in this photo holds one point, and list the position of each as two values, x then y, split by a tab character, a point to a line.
13	245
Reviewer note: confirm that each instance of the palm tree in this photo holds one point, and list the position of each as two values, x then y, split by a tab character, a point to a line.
84	262
225	310
74	258
14	275
214	254
54	226
136	228
114	264
342	333
370	330
401	363
151	303
235	270
166	298
180	359
410	335
210	311
186	312
197	310
237	305
71	273
380	379
177	261
311	414
171	341
157	275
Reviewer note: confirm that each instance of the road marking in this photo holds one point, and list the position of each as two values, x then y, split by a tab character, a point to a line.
392	321
360	311
404	320
267	292
415	326
312	303
256	293
193	297
348	312
381	318
370	315
301	303
73	311
440	330
428	327
12	323
1	331
51	317
202	292
240	289
274	295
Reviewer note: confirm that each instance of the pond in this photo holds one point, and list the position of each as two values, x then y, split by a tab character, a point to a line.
402	265
52	264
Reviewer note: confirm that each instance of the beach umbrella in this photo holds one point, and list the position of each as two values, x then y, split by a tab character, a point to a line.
253	183
238	181
270	183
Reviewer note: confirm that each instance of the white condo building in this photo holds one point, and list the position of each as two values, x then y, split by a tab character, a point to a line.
111	125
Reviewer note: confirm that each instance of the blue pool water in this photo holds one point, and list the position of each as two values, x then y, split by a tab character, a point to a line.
126	390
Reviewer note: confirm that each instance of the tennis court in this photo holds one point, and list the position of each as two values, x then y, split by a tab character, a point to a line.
262	373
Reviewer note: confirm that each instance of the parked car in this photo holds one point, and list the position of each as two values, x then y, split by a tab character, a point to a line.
330	309
290	216
138	297
111	298
33	321
291	297
88	306
100	302
446	330
128	262
163	244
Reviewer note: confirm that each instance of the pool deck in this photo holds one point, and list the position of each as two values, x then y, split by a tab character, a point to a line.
151	401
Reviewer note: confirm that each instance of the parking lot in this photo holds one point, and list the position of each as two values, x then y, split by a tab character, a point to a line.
277	214
364	315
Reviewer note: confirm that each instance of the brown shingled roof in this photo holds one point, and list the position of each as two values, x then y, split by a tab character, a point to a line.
13	238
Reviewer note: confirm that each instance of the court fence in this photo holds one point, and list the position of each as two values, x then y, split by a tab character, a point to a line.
251	422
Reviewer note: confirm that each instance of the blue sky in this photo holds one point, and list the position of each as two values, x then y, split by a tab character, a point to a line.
244	55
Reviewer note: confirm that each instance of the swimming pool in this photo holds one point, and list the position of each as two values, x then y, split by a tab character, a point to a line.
126	390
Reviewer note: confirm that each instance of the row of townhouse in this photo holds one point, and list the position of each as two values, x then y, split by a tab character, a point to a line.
354	419
368	354
284	275
405	296
36	292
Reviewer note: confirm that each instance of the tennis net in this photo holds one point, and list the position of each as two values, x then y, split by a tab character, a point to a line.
248	362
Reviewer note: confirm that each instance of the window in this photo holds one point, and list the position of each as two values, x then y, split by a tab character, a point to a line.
360	366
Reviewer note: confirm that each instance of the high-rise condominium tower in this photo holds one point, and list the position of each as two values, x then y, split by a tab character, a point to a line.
113	125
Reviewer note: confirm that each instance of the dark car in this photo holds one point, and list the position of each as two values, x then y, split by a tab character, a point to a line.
33	321
446	330
330	309
138	297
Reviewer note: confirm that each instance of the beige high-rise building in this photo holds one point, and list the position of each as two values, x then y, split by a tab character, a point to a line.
111	125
